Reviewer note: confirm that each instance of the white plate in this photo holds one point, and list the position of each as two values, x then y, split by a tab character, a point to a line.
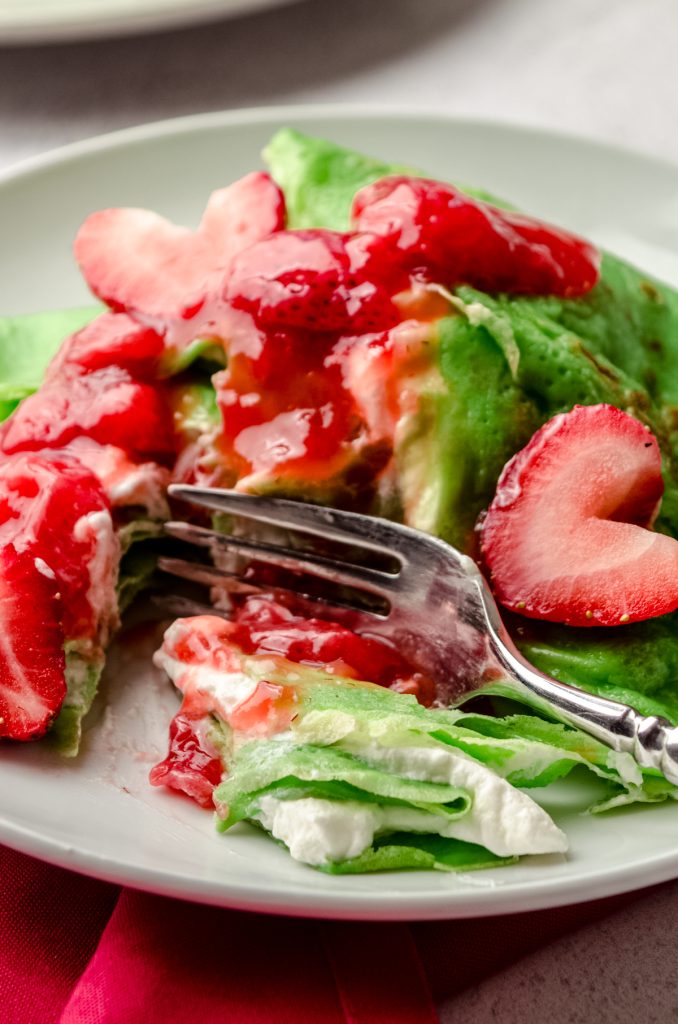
50	21
98	814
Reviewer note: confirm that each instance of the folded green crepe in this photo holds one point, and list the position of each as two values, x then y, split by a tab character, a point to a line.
27	345
360	778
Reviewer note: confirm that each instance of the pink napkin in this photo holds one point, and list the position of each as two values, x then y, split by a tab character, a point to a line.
78	951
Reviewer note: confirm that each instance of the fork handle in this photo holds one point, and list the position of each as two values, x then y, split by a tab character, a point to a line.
652	740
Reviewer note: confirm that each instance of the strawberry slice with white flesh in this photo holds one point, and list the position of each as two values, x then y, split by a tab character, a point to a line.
58	564
140	263
55	509
32	663
568	535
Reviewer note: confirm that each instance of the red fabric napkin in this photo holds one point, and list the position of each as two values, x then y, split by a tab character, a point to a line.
79	951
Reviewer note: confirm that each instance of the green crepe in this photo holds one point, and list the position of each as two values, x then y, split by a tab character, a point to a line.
319	178
522	749
356	744
401	851
27	344
505	366
284	770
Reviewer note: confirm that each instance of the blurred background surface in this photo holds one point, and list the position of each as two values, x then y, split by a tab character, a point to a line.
602	68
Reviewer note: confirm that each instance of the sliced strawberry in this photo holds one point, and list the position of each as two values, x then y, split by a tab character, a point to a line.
269	628
433	228
125	482
192	765
286	407
113	339
107	405
32	681
306	279
55	509
142	264
567	537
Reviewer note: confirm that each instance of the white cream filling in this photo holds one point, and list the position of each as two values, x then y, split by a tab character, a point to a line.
142	485
222	691
320	831
125	482
96	528
503	819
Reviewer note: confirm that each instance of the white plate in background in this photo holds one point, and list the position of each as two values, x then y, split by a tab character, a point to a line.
52	21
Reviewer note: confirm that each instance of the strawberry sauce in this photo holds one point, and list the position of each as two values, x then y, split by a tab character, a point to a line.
287	407
261	626
309	321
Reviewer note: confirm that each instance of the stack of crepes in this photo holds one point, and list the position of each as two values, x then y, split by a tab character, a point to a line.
299	343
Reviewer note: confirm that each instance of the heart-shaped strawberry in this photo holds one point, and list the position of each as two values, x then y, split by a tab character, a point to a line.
32	681
567	537
140	263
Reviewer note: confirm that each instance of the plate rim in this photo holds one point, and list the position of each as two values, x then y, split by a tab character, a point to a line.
206	120
476	901
77	24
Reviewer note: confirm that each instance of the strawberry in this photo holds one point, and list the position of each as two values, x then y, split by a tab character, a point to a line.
107	405
140	263
436	230
568	535
306	279
267	628
192	766
32	681
54	508
113	339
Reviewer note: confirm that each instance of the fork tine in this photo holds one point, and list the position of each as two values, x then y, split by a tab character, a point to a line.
191	534
329	523
184	607
346	574
211	576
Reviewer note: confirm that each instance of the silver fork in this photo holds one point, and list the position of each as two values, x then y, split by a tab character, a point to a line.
435	607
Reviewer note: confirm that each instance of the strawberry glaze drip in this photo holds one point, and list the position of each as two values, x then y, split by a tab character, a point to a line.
262	626
286	407
190	767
